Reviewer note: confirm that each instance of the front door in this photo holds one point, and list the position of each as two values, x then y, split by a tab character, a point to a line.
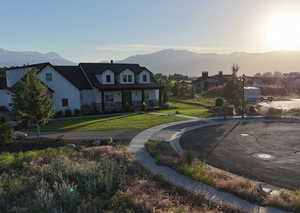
126	100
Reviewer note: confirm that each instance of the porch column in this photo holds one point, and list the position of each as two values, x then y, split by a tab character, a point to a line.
160	96
102	101
143	95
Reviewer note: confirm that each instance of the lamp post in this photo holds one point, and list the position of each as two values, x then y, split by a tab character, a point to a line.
243	78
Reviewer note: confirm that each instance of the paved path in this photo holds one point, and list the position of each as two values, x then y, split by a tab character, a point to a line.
137	147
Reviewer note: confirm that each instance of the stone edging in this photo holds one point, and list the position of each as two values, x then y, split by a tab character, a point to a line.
136	147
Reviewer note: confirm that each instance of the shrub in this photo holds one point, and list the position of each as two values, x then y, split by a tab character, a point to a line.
89	109
177	112
189	157
252	110
76	112
59	114
145	107
68	113
198	171
219	102
6	134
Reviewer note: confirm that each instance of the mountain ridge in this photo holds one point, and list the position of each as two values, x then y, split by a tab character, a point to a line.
18	58
172	61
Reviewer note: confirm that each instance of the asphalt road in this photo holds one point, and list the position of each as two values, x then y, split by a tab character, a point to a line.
264	151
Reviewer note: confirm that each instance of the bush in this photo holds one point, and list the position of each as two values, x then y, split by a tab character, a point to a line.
89	109
6	134
76	112
145	107
252	110
68	113
189	157
219	102
59	114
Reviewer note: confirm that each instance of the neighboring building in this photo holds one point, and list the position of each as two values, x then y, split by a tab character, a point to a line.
252	94
206	82
109	87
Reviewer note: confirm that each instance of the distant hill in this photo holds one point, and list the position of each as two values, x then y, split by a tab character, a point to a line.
191	63
16	58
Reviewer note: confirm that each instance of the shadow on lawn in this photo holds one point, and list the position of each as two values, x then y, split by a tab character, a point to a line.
58	125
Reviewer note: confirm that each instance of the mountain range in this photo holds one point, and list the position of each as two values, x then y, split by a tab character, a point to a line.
17	58
190	63
172	61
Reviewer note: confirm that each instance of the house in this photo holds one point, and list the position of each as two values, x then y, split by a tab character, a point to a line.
206	82
109	87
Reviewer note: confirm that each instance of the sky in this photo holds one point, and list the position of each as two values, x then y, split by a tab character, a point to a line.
97	30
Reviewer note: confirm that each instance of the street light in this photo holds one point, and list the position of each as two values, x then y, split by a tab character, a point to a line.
243	79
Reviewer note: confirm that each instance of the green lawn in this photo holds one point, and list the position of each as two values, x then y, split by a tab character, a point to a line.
187	109
131	121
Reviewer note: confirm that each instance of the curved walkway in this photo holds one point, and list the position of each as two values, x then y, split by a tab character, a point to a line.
136	146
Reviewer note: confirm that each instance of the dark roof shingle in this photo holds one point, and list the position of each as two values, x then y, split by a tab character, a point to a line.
75	75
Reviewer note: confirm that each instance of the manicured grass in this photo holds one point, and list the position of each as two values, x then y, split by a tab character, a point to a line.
187	109
131	121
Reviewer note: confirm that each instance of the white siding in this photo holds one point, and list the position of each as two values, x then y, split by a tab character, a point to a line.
140	77
62	89
5	98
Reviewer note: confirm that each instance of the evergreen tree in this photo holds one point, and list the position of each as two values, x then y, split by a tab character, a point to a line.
233	90
32	102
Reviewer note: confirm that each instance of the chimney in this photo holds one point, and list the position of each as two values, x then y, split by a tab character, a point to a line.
111	61
204	74
220	73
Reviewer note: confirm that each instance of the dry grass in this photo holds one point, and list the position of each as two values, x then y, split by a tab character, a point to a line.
141	191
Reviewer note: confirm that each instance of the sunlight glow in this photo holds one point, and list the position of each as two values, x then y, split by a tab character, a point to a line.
283	31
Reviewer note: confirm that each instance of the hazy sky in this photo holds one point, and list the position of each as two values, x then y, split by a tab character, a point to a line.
95	30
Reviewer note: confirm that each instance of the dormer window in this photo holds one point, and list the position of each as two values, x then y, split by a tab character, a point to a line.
108	78
145	79
129	78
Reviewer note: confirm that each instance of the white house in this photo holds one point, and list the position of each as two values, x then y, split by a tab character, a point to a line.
108	87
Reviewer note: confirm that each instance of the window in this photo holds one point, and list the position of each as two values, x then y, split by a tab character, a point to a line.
145	79
124	78
108	78
109	98
65	102
48	76
146	96
129	78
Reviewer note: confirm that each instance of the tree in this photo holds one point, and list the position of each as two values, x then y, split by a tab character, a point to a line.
32	102
233	89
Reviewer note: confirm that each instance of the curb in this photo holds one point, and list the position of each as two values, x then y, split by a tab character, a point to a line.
136	147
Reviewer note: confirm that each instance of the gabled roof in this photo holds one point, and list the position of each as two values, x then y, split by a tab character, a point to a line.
39	66
75	75
92	69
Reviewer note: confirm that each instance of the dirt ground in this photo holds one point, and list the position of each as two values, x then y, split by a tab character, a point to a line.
264	151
